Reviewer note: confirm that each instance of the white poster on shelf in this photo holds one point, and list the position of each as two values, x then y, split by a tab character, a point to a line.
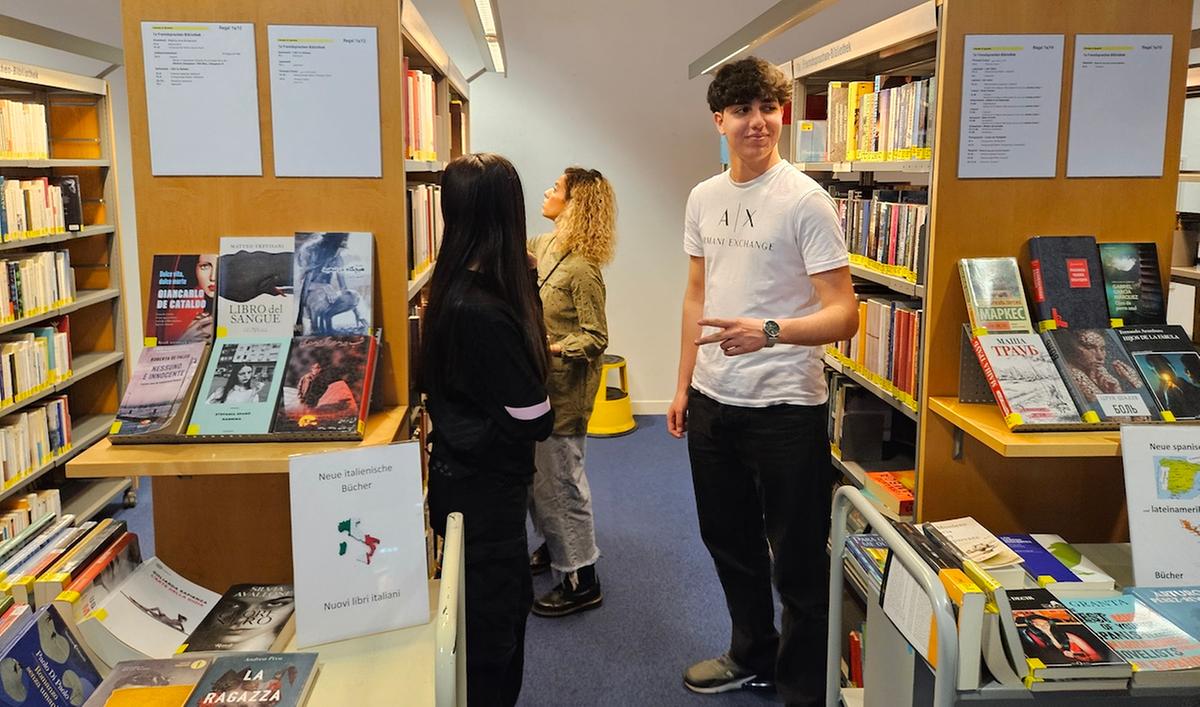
1011	96
201	98
1119	105
358	542
325	101
1162	493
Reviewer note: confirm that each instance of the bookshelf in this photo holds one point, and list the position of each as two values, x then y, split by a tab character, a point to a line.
244	484
80	137
968	462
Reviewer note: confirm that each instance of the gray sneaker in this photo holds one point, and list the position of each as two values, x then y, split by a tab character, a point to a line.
722	674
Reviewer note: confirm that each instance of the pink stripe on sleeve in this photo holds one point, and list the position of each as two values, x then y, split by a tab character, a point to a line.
531	412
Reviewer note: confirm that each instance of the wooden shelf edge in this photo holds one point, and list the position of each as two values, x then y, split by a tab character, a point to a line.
983	422
106	460
893	283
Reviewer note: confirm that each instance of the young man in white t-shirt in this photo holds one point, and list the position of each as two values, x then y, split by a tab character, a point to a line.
768	286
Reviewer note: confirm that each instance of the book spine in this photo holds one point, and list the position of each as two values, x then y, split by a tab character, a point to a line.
1011	418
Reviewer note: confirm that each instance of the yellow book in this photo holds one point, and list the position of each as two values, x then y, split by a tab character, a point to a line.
854	93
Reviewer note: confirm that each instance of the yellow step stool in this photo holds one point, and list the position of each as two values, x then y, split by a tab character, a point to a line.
612	414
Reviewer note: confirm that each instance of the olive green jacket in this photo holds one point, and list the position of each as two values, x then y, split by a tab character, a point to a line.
572	292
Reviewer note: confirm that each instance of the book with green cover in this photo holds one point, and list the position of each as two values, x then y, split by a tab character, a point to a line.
995	296
240	387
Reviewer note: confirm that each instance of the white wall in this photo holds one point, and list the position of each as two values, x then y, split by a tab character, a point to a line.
98	20
604	85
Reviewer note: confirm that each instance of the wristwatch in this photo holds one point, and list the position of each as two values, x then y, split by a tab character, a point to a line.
771	329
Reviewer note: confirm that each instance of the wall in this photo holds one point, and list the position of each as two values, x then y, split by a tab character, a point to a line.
605	85
98	20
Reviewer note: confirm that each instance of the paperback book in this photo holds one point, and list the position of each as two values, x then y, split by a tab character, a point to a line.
1068	285
1055	644
1179	605
1160	652
147	616
1023	379
1131	283
1169	365
333	282
72	202
166	682
240	387
256	297
45	666
282	679
1090	576
161	387
1103	380
995	297
327	384
183	299
248	617
1042	568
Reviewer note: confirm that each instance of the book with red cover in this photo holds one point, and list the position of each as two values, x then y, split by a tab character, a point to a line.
887	487
181	307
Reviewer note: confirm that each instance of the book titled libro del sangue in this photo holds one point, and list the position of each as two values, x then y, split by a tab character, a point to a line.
256	297
240	387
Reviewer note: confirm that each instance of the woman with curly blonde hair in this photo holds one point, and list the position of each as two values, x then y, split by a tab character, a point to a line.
583	208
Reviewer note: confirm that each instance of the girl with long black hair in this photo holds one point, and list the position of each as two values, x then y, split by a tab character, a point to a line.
483	369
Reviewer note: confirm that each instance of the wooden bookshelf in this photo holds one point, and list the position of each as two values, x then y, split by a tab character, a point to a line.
80	134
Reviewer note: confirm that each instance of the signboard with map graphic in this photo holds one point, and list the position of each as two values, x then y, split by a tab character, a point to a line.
358	542
1162	490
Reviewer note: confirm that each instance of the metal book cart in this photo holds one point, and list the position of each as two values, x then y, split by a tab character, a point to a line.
905	671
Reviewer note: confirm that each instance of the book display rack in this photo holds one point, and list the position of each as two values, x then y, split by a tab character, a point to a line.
196	482
60	203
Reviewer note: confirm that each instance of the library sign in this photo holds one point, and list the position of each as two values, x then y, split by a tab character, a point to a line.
918	21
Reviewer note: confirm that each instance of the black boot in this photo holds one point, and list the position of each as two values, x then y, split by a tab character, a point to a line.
578	591
539	561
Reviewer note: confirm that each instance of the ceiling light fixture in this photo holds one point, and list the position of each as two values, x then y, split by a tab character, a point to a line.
484	18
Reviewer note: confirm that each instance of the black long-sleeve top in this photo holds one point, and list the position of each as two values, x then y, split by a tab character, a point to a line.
492	405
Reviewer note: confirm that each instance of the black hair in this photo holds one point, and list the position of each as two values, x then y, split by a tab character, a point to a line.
483	212
747	80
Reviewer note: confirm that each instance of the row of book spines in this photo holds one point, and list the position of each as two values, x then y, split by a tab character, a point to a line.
24	132
884	235
420	121
891	363
41	443
425	227
878	381
21	511
863	125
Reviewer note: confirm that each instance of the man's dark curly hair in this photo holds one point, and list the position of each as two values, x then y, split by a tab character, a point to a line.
746	80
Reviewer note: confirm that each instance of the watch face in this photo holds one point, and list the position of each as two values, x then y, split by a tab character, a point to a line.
771	328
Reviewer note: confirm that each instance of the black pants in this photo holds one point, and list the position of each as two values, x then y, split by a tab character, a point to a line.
499	588
763	482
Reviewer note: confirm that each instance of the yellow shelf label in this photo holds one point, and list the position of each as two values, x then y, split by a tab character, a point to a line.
116	427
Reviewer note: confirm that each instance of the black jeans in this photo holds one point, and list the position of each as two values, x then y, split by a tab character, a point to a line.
499	588
763	481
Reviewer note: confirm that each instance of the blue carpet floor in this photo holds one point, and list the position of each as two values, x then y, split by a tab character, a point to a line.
663	607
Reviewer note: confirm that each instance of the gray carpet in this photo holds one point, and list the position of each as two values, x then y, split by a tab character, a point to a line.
663	607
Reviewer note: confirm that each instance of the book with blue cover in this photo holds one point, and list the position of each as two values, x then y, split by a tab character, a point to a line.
240	387
45	666
1179	605
1039	564
870	551
1161	653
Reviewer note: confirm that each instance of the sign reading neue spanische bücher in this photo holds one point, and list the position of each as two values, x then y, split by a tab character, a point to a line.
1162	490
358	542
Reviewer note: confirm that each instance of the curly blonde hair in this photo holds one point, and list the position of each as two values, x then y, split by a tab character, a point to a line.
588	222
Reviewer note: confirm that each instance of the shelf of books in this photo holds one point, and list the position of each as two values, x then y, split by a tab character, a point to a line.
62	336
882	388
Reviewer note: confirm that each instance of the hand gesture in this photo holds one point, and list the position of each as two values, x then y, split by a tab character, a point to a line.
736	336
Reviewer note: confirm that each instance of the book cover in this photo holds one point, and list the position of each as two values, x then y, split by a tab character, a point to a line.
995	297
152	611
1103	380
1088	573
1179	605
72	201
182	305
248	617
1056	643
99	579
1149	642
889	489
1023	379
1068	283
1039	564
255	291
1162	496
333	273
1131	283
45	666
1169	365
240	387
71	563
282	679
974	542
326	384
158	390
871	551
166	682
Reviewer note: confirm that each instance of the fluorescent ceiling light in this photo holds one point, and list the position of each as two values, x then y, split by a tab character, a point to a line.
722	61
484	18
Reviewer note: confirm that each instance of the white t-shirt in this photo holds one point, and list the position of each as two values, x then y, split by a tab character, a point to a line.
760	241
